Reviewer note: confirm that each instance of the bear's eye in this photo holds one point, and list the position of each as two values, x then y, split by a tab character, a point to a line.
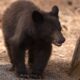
59	27
58	24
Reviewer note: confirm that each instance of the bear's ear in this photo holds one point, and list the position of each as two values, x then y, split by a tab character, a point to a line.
55	11
37	17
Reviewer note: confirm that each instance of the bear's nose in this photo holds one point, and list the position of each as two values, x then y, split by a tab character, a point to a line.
61	41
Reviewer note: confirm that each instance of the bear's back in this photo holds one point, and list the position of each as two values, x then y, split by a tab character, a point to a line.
14	12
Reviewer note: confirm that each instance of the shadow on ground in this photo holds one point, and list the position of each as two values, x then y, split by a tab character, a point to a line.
53	71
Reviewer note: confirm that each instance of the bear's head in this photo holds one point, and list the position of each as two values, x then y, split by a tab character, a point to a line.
48	26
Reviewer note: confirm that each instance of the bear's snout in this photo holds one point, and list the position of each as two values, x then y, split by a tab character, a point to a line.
58	38
60	42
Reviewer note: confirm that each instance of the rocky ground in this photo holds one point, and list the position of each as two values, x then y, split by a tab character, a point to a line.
59	63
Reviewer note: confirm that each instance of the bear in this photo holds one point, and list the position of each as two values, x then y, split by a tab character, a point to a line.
27	27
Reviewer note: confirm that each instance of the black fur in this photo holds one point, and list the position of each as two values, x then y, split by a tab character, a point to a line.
26	27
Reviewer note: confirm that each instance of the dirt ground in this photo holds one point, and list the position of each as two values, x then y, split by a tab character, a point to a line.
59	63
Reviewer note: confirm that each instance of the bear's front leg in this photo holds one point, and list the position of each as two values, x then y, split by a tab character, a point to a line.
41	57
17	43
19	60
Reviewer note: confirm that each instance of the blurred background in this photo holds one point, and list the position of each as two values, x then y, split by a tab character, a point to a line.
60	60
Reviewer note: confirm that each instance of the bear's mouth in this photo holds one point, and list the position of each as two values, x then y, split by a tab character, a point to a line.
56	43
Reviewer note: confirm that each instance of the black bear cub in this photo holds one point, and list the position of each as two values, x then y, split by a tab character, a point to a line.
27	27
